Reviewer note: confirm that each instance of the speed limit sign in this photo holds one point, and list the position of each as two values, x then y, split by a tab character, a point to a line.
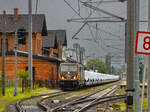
142	45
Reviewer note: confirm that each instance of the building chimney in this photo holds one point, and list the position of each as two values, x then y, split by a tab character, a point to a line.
15	13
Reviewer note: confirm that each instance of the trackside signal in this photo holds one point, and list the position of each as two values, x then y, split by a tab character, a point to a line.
142	45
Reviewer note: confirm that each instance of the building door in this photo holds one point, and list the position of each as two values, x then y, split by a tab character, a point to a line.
33	73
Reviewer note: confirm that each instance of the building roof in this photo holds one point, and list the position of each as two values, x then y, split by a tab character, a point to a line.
38	20
25	54
53	38
61	36
50	40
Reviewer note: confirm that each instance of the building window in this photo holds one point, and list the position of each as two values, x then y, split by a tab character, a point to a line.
21	36
6	44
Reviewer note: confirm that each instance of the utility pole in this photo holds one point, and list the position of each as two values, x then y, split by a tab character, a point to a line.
3	51
15	48
76	46
82	50
30	43
136	60
80	55
130	53
148	76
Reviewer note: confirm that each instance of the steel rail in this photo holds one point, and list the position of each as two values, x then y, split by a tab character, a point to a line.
19	105
93	99
44	107
103	100
81	99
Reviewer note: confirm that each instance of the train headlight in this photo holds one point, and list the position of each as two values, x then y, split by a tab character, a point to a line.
63	78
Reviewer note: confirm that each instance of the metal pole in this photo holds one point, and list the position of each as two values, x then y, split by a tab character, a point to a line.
148	75
143	85
79	7
15	48
80	55
130	53
78	51
3	52
136	62
30	43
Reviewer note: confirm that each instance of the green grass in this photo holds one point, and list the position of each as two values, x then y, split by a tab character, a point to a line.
9	97
123	105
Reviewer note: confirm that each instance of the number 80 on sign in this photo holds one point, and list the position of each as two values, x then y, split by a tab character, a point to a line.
142	45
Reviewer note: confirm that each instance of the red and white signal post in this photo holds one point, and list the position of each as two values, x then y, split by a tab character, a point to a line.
142	45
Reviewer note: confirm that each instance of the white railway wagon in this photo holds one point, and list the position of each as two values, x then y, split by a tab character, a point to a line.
94	78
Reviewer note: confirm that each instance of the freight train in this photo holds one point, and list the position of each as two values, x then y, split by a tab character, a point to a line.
74	76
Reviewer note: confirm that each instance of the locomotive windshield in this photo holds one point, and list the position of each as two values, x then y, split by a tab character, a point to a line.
68	68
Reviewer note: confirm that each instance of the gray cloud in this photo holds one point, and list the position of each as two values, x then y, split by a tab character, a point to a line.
57	12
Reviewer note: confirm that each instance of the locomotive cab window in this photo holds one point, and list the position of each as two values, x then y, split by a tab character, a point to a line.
66	68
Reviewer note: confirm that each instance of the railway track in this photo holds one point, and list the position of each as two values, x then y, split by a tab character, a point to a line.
101	101
43	103
82	101
31	104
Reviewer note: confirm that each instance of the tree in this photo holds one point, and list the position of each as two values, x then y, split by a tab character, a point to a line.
97	64
113	70
23	74
108	63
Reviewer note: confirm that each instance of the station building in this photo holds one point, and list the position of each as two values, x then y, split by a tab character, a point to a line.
47	46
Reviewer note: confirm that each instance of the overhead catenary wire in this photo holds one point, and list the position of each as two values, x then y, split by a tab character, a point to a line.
108	1
98	31
80	16
107	32
75	10
101	10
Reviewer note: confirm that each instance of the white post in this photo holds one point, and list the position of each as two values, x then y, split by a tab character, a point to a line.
148	76
143	85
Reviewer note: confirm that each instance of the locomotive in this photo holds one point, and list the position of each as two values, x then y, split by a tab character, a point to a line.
74	76
71	75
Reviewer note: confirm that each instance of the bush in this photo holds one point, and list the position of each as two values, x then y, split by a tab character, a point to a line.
23	74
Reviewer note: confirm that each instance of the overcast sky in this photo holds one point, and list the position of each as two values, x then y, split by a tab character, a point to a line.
57	12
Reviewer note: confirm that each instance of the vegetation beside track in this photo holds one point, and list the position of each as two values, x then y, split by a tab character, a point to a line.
9	98
123	104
